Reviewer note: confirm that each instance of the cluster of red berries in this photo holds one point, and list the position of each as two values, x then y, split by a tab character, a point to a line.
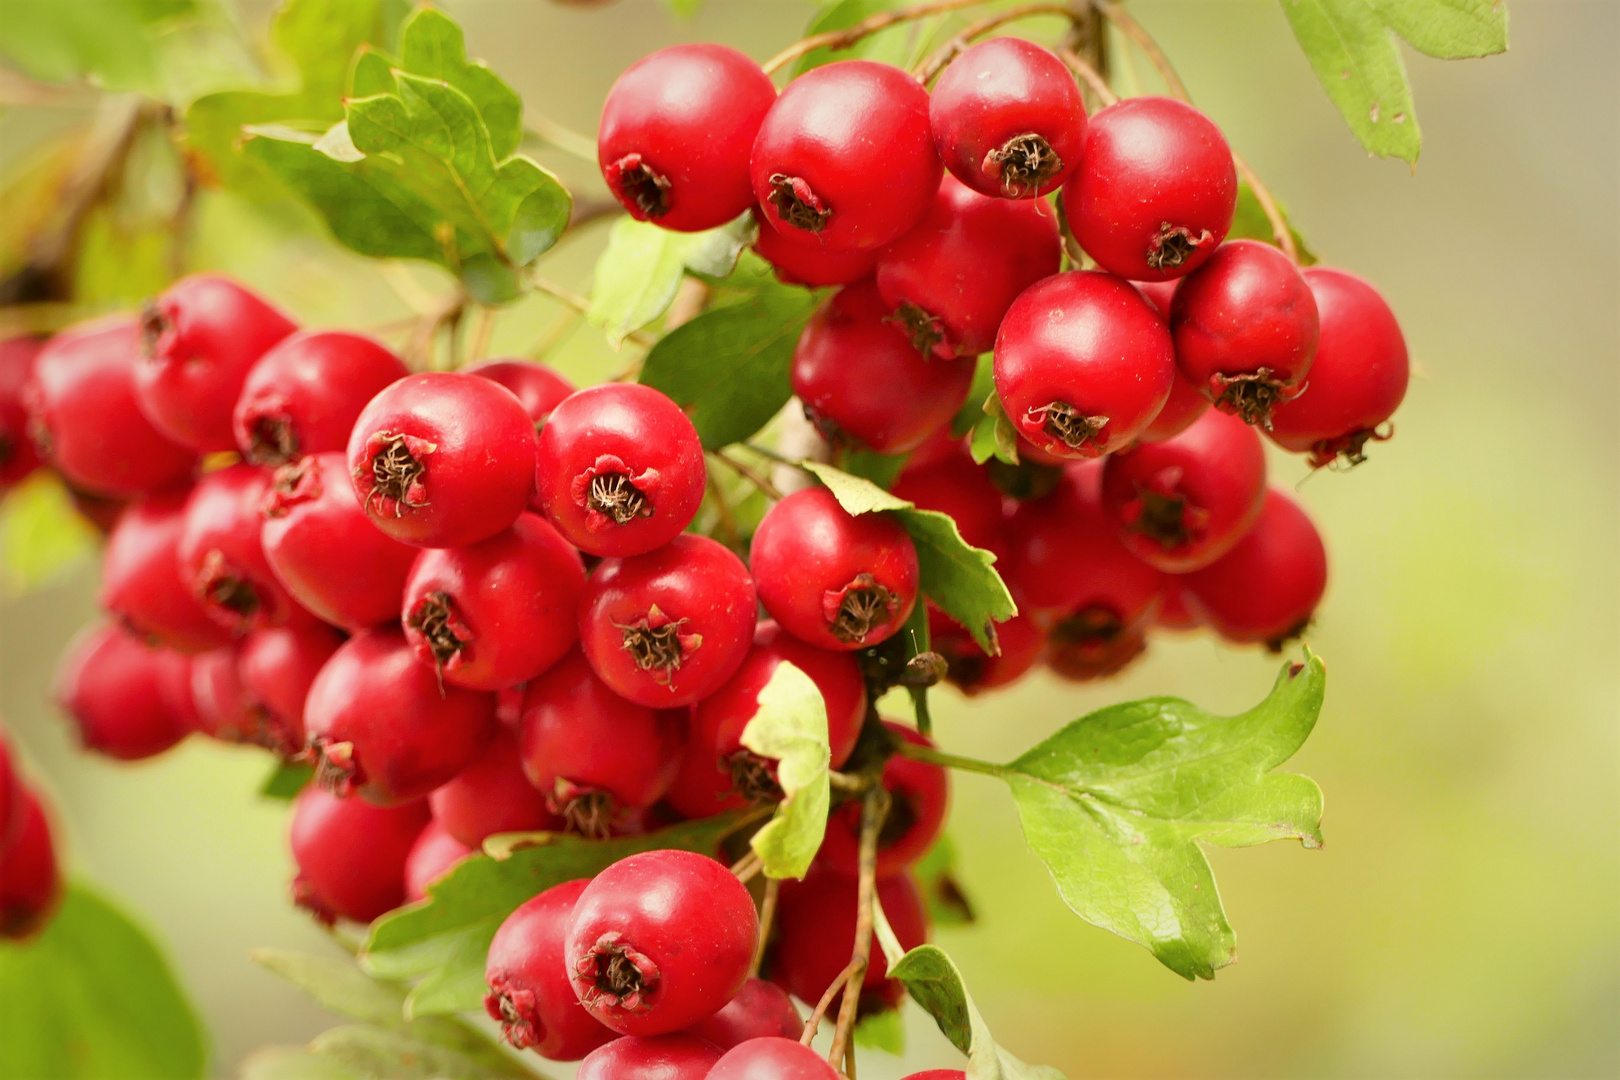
30	880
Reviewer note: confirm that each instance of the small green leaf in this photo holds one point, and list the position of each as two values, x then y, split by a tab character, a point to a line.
286	780
113	41
885	1031
790	727
993	435
338	985
855	495
292	1063
1250	223
972	410
636	277
1448	29
432	45
880	469
381	1052
41	534
1359	64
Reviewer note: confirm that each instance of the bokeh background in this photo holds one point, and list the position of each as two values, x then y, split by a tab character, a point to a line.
1464	918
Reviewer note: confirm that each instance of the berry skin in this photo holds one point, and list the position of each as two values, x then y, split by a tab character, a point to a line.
108	682
950	280
775	1058
83	418
351	855
845	158
382	727
660	940
276	667
537	387
1174	611
815	934
30	879
1008	119
1083	364
595	756
798	263
863	382
492	796
221	556
1267	587
1358	379
667	628
529	990
304	394
1182	409
680	1056
18	456
958	488
434	855
969	668
832	579
498	612
1155	191
140	578
323	549
219	703
13	802
1182	503
677	130
920	793
759	1010
443	459
938	1074
199	339
621	469
1245	327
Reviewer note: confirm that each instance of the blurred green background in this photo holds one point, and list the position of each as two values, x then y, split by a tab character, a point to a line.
1464	918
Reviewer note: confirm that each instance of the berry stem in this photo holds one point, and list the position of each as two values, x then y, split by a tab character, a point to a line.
843	39
951	761
874	808
1262	194
749	473
767	917
1098	84
561	138
748	867
927	71
812	1025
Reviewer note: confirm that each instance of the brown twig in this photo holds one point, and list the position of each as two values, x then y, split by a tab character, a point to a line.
728	520
748	866
1262	194
874	808
1144	41
587	210
843	39
446	311
941	58
1098	84
749	473
767	916
690	299
812	1025
483	330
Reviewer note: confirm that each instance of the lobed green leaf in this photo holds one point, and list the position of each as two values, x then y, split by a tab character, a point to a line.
790	727
638	273
1448	29
41	534
1359	64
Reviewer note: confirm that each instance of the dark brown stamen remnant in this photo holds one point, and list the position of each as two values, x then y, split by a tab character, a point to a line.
797	204
657	644
224	587
1174	244
1093	642
826	427
272	441
925	331
615	970
1251	397
1024	163
153	326
336	770
753	777
396	476
432	618
1343	453
587	812
7	447
865	604
642	185
1065	422
614	496
1162	517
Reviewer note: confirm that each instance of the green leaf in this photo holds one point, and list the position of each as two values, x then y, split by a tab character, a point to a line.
286	780
790	727
41	534
1250	223
338	985
885	1031
896	45
993	435
369	1051
855	495
1358	62
292	1063
110	41
984	386
1448	29
636	277
92	997
942	894
1116	803
432	46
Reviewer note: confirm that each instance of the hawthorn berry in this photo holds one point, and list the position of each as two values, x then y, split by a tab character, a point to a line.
1267	587
681	1056
1156	189
1182	503
1357	381
1174	611
950	279
845	157
1181	410
199	339
30	878
918	791
276	667
219	701
1083	364
798	263
491	796
594	755
443	459
774	1057
815	934
973	671
323	549
304	394
1245	328
83	418
666	628
380	725
434	855
620	469
18	456
530	993
677	130
759	1010
862	381
537	387
660	940
496	613
221	555
957	487
13	803
938	1074
141	584
350	854
830	578
107	682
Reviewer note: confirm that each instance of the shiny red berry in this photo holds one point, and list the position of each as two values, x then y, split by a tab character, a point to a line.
621	469
1008	119
1267	587
304	395
815	934
140	577
221	555
862	382
18	456
1083	364
351	855
677	130
108	682
492	796
830	578
681	1056
13	803
537	387
1174	611
434	855
797	262
219	704
919	793
530	994
759	1010
938	1074
660	940
969	668
1181	410
30	877
950	279
381	726
957	487
773	1057
277	666
198	341
1357	381
845	157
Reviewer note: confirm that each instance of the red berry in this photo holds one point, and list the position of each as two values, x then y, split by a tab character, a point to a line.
969	668
830	578
660	1057
950	280
759	1010
677	129
276	667
938	1074
380	725
529	990
140	577
30	879
198	341
845	157
537	387
221	556
443	459
434	855
18	456
304	395
660	940
667	628
772	1058
593	754
495	613
1008	119
815	934
1083	364
1182	408
919	794
219	703
1155	191
957	487
621	469
863	382
800	263
492	796
1245	329
82	414
13	803
1267	587
1358	379
351	855
1182	503
325	551
107	681
1175	613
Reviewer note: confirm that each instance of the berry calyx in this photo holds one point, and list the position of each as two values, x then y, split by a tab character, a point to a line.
530	994
304	395
973	671
351	855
